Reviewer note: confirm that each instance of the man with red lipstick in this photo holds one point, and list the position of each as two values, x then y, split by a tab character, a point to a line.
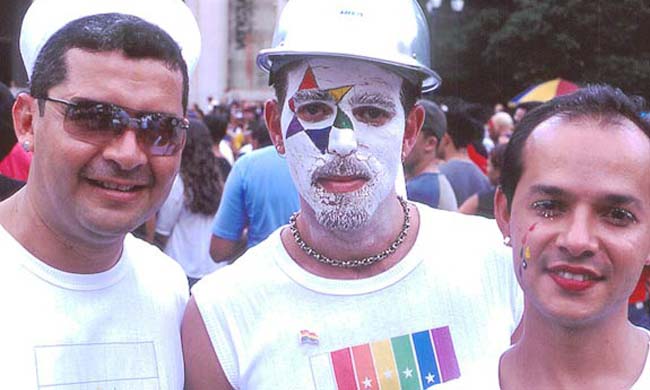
362	289
86	304
574	202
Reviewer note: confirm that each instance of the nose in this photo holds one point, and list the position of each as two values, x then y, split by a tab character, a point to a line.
577	238
125	150
342	139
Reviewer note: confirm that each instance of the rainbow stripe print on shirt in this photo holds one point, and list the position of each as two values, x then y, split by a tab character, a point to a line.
416	361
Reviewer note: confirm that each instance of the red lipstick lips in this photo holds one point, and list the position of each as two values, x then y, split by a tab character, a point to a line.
574	279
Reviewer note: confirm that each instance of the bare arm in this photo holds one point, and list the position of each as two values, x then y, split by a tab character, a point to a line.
470	206
202	368
222	249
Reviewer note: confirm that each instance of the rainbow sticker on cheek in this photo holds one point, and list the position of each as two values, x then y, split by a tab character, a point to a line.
320	136
524	250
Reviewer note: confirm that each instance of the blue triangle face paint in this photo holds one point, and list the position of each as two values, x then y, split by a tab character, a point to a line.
320	138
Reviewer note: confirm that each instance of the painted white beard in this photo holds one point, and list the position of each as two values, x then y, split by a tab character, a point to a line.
348	211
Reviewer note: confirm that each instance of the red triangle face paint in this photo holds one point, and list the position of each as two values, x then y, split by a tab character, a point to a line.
308	80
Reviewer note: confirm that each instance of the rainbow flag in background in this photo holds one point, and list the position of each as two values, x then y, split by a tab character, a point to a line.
415	361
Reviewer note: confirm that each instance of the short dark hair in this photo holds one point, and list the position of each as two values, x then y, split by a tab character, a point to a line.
260	133
603	103
435	121
217	123
497	154
463	128
134	37
409	94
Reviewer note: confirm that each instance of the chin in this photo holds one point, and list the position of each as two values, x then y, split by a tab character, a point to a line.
112	225
345	212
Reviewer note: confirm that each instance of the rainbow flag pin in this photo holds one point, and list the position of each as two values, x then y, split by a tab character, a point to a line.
308	337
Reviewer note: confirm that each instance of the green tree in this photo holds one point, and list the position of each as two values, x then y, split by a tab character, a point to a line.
495	49
584	41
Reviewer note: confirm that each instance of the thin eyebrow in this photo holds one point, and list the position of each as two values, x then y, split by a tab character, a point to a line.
544	189
375	99
307	95
621	200
610	199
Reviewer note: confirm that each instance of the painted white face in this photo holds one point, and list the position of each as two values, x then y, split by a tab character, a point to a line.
343	125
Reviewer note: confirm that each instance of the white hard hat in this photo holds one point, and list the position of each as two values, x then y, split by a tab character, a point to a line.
390	32
46	17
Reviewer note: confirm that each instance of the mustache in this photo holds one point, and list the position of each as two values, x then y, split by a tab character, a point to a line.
141	175
348	166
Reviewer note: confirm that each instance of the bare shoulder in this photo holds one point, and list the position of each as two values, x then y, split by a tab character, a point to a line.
470	206
202	368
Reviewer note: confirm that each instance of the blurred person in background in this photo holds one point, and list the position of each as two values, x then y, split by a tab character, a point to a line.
463	174
259	196
522	109
498	130
14	158
639	302
256	137
217	124
184	222
424	182
7	141
482	203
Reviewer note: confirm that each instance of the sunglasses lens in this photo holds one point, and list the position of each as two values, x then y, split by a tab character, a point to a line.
161	134
92	121
99	123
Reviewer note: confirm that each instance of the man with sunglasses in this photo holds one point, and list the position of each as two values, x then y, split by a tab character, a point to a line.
86	304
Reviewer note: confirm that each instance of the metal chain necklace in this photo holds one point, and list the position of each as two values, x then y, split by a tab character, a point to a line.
356	262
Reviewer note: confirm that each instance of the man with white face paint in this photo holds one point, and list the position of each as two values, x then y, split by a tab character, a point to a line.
351	294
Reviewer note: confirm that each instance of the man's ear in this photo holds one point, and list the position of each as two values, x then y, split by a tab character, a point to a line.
501	212
24	113
272	116
431	143
414	121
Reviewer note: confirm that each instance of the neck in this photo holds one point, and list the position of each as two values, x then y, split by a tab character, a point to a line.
43	239
424	166
376	236
457	154
550	355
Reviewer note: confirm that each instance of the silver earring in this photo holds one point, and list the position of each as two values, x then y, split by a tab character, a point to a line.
506	240
26	145
524	264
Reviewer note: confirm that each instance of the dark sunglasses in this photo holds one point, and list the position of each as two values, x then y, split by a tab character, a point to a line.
99	123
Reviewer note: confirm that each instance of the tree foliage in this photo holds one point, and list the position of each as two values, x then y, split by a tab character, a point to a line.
495	49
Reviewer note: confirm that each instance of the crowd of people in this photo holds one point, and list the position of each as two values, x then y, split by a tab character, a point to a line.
348	233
